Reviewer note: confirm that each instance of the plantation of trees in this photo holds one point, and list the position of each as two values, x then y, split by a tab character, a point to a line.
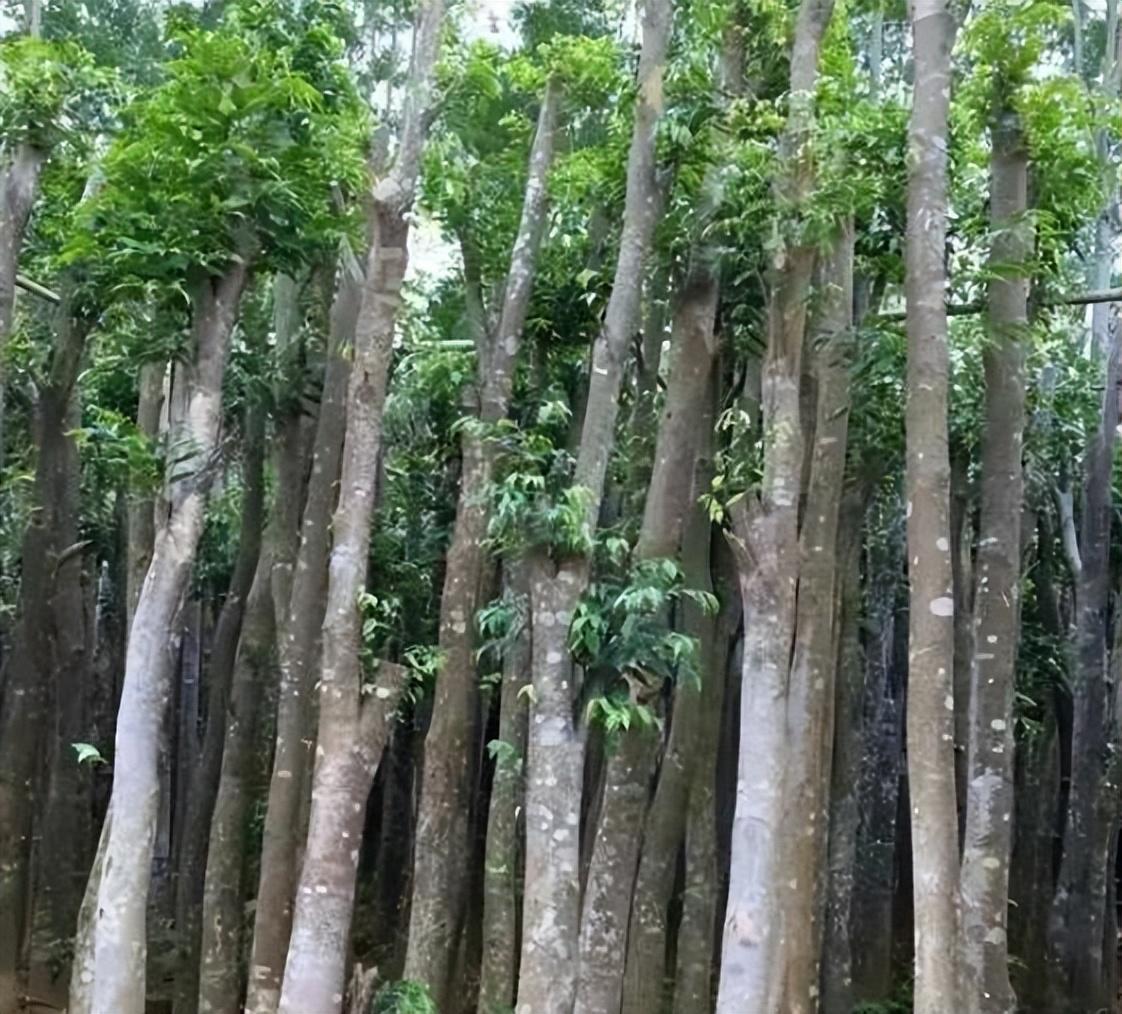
560	507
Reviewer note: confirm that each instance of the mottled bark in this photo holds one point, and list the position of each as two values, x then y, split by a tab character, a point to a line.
555	766
298	593
997	574
630	768
120	939
202	787
500	865
930	712
767	542
440	877
353	719
551	923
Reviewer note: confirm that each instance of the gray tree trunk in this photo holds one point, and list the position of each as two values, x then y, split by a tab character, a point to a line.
120	943
930	713
997	573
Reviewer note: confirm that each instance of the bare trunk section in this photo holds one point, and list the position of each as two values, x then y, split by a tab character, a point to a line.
810	687
141	508
440	876
298	593
838	943
630	768
120	938
1079	905
767	544
43	672
222	905
354	720
989	800
202	788
930	713
555	771
500	865
19	187
551	915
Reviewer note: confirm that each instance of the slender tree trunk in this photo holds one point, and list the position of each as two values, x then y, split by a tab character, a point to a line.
930	713
440	877
120	939
203	787
849	743
555	771
989	801
691	762
630	768
766	541
141	508
551	914
354	720
810	688
220	979
500	866
298	593
42	673
19	187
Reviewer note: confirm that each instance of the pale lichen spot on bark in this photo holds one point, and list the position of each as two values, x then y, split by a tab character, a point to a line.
942	606
942	544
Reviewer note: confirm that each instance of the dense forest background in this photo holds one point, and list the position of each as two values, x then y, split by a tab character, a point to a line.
691	585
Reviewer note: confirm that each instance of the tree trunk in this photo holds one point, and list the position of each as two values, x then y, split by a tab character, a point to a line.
500	866
766	541
141	508
555	771
930	713
551	924
42	674
203	786
849	743
19	187
440	876
298	593
120	939
810	687
354	723
220	979
989	801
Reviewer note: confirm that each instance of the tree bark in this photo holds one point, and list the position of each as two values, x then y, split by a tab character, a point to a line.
353	730
767	543
298	593
551	916
440	877
141	522
849	743
989	800
630	768
120	939
930	712
500	866
19	187
43	680
220	979
202	789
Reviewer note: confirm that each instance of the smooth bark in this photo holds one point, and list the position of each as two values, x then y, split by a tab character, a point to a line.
440	877
997	572
353	719
930	712
120	938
